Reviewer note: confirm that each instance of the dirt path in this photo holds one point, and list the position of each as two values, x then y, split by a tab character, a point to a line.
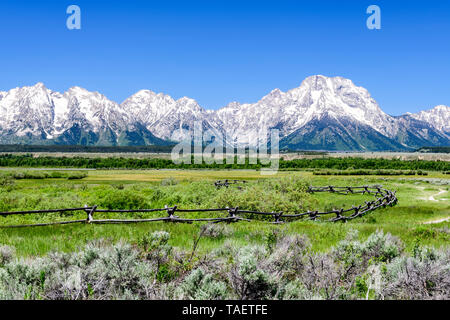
437	221
431	198
441	191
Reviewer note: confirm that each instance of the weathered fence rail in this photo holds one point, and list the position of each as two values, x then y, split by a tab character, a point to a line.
383	198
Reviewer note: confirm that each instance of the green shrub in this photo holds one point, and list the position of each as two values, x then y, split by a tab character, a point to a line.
199	285
169	182
424	233
288	194
7	182
377	268
215	230
382	247
120	199
249	279
77	176
7	254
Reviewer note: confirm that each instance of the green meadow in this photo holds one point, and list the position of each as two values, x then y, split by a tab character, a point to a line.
422	215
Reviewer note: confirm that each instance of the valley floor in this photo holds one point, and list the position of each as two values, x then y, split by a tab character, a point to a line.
420	216
399	252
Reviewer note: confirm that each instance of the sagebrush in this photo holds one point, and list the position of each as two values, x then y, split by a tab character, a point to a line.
284	268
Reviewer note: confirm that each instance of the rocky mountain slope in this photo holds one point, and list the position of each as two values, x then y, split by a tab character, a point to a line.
323	113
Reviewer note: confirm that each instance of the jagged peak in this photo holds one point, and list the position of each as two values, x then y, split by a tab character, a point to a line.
39	85
187	100
441	107
233	104
143	98
78	89
36	86
80	92
146	93
274	93
438	108
318	96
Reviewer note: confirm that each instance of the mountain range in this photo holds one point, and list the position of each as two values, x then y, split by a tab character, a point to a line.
323	113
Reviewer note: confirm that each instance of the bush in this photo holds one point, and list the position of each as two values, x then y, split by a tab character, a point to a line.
120	199
424	276
7	182
201	286
378	247
77	176
288	194
377	268
424	232
382	247
215	230
98	272
169	182
248	277
47	175
156	245
295	290
7	253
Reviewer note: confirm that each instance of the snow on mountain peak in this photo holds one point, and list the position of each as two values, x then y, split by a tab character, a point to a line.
438	117
41	112
442	108
317	97
38	85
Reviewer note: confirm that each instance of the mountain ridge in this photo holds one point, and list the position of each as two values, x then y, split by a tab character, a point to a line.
322	108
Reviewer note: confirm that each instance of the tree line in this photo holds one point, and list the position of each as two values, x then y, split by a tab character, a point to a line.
28	160
81	148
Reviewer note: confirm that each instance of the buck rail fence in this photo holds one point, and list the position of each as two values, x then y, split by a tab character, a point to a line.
383	198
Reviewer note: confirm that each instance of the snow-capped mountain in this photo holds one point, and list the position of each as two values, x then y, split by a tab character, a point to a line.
39	115
317	98
163	115
322	113
438	117
330	114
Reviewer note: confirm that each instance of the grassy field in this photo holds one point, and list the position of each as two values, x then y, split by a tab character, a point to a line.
423	202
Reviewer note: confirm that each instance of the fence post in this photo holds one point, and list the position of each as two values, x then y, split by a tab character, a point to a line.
369	205
356	211
88	218
91	214
378	190
366	190
170	211
339	214
277	216
313	214
232	212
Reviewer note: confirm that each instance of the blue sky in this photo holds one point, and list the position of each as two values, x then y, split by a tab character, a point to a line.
221	51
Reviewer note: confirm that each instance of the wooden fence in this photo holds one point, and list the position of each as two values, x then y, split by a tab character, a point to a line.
383	198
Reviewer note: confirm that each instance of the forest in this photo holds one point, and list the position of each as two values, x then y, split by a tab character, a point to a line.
28	160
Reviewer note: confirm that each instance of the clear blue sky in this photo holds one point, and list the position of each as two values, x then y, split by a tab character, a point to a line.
234	50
